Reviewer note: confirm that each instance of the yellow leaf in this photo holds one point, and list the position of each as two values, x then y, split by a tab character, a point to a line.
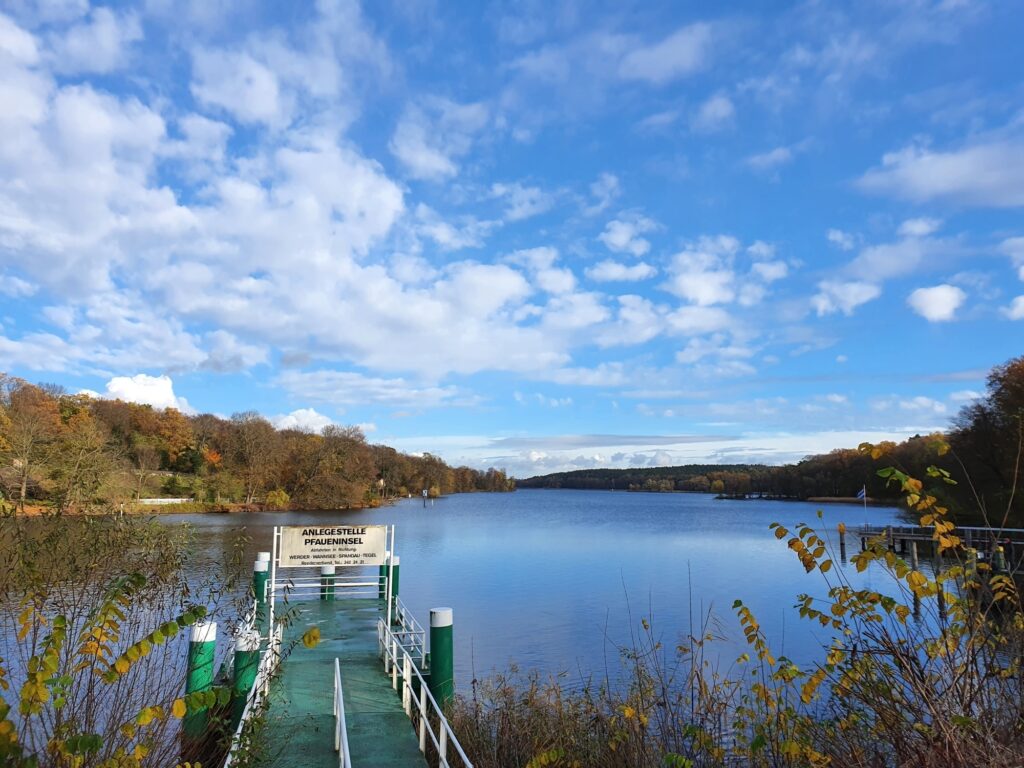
178	708
311	638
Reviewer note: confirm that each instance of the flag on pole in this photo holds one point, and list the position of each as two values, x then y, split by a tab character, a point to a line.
863	492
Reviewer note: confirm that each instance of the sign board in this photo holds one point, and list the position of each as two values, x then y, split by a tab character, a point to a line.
308	545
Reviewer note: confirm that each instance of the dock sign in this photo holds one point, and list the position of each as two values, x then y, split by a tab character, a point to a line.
309	545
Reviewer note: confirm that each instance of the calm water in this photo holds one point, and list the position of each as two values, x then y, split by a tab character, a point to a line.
553	579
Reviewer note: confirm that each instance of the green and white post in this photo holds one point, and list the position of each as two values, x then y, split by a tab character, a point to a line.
247	662
326	582
202	648
395	560
442	657
260	576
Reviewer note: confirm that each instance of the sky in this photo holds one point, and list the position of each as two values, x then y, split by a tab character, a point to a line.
533	235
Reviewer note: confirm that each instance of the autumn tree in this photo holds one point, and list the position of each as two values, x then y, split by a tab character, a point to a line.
254	447
32	424
988	439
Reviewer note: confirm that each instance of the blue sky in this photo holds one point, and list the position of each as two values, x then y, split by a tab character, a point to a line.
533	235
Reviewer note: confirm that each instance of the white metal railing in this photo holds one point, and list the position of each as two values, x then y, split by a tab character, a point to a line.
420	709
261	686
410	633
340	726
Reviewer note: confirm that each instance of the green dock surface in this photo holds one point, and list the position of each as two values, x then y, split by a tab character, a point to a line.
300	728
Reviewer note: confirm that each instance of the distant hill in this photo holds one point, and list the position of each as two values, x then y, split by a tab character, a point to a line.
688	477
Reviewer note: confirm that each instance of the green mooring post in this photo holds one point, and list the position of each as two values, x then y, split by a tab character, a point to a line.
247	661
998	560
395	560
260	576
442	657
202	648
326	582
382	584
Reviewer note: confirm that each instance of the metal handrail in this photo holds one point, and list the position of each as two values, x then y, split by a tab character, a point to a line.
340	726
260	688
394	653
412	636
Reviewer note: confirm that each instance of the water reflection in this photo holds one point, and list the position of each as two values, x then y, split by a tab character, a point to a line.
553	580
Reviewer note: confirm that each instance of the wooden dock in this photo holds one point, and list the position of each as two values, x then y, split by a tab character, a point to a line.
907	538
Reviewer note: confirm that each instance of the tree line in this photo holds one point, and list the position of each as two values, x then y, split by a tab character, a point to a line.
76	452
985	438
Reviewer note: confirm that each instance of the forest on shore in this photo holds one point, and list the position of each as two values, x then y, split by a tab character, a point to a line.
985	439
65	452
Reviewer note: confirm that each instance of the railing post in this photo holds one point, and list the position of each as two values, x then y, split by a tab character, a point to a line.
423	718
383	577
394	663
407	684
442	662
443	748
199	674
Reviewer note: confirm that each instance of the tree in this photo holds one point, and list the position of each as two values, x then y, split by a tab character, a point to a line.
987	438
254	446
32	424
82	461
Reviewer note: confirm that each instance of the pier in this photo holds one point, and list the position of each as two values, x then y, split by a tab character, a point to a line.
367	692
984	541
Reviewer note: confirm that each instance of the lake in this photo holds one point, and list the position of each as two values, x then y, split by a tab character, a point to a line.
553	579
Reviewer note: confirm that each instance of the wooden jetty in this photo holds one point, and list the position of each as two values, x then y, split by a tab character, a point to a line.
985	541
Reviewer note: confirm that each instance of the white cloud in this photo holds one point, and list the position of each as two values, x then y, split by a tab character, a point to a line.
919	227
938	303
1016	309
604	191
1014	248
17	43
303	419
770	271
703	273
226	352
693	320
682	53
965	396
609	271
842	240
637	320
431	135
902	257
98	45
235	81
522	202
987	173
836	296
345	388
715	114
15	287
467	233
622	235
157	391
771	160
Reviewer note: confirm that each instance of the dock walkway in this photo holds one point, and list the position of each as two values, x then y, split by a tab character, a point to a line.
301	716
